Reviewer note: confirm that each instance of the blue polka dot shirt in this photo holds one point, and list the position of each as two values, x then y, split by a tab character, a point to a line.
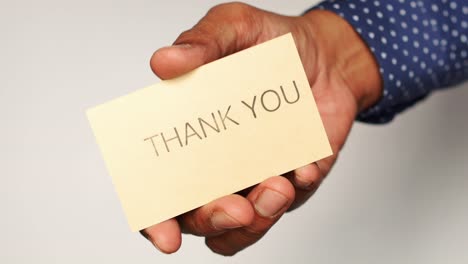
420	46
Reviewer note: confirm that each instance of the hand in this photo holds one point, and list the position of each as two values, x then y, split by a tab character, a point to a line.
343	76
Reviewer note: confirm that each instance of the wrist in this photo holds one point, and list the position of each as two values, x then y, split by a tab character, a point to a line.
343	52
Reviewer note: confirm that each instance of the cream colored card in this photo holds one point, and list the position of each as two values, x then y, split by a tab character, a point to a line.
225	126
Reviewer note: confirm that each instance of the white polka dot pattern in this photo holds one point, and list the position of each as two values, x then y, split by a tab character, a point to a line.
420	46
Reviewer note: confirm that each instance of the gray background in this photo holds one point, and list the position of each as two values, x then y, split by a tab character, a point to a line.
398	194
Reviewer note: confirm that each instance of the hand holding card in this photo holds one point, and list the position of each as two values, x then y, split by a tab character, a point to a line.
329	49
244	115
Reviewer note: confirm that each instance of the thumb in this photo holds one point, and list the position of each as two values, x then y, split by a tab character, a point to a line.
225	29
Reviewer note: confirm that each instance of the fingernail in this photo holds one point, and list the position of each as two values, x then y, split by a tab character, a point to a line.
303	177
177	46
182	46
269	203
221	220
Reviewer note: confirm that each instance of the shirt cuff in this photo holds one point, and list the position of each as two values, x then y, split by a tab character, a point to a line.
409	47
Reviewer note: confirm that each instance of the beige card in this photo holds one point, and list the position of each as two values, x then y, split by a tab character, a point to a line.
223	127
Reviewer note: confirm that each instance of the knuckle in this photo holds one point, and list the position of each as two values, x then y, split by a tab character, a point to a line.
197	34
232	9
224	26
240	15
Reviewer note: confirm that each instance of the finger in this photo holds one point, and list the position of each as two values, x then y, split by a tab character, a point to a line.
225	29
306	181
270	200
229	212
165	236
170	62
307	176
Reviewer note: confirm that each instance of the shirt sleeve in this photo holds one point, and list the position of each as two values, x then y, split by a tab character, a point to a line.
420	46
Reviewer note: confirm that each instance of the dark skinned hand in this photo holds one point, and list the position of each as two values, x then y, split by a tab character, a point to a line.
344	79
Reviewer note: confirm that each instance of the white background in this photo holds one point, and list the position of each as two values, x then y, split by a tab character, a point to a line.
398	194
